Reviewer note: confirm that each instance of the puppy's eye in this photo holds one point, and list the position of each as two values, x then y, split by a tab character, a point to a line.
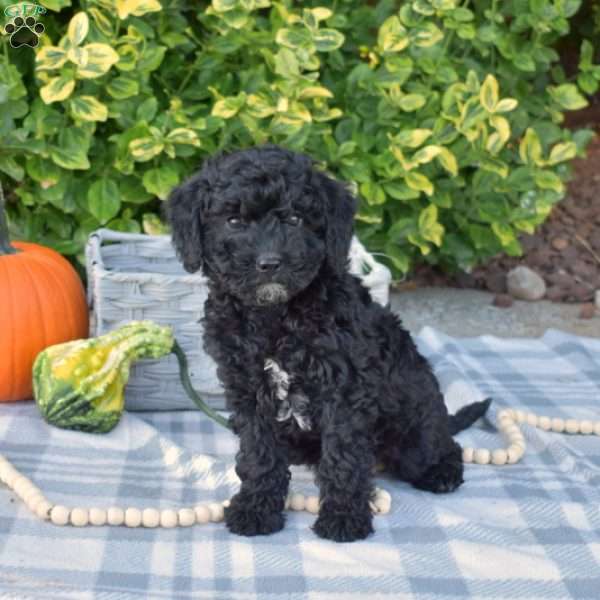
294	220
236	222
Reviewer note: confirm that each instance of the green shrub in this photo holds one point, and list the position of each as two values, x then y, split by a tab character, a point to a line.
443	114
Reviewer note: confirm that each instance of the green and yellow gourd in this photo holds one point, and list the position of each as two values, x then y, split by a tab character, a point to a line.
81	385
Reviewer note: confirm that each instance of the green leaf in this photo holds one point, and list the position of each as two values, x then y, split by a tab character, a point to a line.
138	8
182	135
146	111
506	105
222	6
568	96
122	87
412	102
448	161
146	148
489	93
373	193
495	165
562	152
286	63
427	154
429	228
392	36
399	259
78	28
327	40
504	233
100	58
548	180
426	35
228	107
50	57
530	149
87	108
161	181
11	167
400	191
103	199
412	138
294	38
151	59
153	225
57	89
71	149
419	182
102	21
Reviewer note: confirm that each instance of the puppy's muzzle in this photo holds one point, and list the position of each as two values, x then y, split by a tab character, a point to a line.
271	293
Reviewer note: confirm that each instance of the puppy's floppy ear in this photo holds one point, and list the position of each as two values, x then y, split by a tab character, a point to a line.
340	206
184	213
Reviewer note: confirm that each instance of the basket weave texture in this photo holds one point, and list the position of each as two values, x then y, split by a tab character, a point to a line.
133	277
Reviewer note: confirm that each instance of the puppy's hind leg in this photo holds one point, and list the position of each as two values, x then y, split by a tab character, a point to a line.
427	457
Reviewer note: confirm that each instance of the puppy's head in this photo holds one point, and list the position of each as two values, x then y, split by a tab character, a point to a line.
261	223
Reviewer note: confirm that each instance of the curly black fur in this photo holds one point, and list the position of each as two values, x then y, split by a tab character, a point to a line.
272	233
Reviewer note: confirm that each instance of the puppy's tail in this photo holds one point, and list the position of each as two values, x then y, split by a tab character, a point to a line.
467	415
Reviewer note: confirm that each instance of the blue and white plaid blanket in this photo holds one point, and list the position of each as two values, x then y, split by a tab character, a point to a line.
530	530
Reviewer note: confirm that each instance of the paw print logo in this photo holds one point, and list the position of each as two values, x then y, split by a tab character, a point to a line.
24	32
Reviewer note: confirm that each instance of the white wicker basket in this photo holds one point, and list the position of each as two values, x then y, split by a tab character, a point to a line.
136	277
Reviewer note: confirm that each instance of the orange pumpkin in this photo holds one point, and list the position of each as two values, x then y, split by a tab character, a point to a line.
42	302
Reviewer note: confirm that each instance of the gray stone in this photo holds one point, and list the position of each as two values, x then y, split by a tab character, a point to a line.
525	284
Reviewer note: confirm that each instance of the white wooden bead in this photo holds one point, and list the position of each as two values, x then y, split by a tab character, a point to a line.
545	423
504	423
505	414
512	430
216	512
597	428
226	503
79	517
286	504
518	444
59	514
9	476
532	419
482	456
558	425
383	507
499	456
587	427
520	416
133	517
467	455
22	486
572	426
43	508
97	517
168	518
514	454
297	502
150	517
312	505
202	513
186	517
115	516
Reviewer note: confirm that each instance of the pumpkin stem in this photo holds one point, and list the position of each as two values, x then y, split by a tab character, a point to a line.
5	247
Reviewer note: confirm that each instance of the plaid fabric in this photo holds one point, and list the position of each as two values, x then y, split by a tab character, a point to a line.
524	531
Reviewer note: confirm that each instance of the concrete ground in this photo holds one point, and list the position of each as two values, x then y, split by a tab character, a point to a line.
467	313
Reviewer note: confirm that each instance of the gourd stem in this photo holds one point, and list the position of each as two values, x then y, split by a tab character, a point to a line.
190	391
5	247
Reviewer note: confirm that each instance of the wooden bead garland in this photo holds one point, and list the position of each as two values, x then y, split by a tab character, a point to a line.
149	517
508	423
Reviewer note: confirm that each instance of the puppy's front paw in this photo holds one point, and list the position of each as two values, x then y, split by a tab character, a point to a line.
344	526
246	518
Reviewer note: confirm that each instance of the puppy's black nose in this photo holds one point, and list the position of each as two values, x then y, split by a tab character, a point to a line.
268	262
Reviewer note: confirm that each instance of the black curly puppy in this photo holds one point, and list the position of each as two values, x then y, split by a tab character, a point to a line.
314	371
